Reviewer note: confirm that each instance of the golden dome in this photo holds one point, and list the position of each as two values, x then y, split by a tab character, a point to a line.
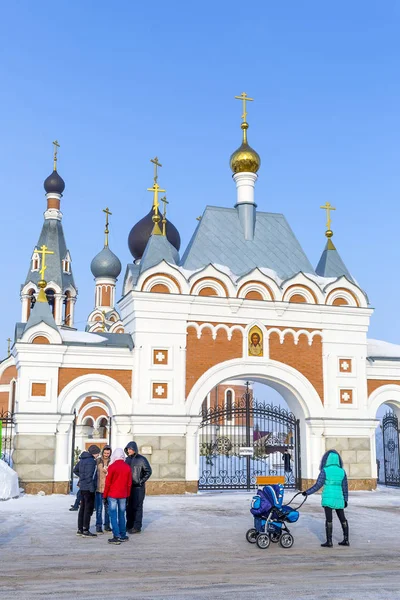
245	159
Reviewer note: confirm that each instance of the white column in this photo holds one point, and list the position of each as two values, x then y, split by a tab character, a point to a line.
25	298
62	464
121	431
192	449
245	187
58	305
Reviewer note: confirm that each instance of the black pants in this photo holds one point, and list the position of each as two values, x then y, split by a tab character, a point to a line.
85	509
134	510
329	514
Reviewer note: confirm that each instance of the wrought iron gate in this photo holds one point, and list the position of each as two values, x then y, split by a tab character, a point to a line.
246	438
391	450
6	436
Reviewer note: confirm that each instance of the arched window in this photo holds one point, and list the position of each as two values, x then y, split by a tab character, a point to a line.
35	262
50	295
103	427
67	309
88	427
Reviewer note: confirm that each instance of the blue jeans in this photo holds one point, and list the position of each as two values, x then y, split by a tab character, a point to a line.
117	507
99	512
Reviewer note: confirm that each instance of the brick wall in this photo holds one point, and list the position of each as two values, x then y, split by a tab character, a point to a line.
374	384
302	357
66	375
204	353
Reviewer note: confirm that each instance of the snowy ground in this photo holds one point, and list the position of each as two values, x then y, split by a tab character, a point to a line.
194	547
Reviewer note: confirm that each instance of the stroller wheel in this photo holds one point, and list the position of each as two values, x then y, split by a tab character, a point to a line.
251	535
275	537
287	540
263	541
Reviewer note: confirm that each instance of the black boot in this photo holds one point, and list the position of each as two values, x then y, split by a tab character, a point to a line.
345	527
328	529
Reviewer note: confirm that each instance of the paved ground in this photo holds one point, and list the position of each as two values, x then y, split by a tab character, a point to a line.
194	547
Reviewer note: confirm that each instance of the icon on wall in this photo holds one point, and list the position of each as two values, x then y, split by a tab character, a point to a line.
255	342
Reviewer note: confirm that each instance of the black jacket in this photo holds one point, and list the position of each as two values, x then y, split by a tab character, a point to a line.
140	466
86	469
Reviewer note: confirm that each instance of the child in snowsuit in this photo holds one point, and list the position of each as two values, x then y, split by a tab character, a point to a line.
335	494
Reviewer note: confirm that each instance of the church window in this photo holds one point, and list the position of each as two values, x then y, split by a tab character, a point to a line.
50	294
103	427
66	264
88	427
35	262
67	309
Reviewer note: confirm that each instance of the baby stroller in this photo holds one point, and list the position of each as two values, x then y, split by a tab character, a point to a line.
271	517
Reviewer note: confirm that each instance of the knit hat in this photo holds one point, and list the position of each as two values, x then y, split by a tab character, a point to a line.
93	449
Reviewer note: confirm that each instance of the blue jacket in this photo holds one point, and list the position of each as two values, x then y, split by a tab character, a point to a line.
333	479
86	470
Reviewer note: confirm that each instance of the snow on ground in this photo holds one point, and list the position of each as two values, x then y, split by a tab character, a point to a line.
194	547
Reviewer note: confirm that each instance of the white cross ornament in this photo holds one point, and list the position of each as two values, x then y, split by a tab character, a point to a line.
346	397
345	365
160	356
159	390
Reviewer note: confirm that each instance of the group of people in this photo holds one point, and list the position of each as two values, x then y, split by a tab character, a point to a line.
113	484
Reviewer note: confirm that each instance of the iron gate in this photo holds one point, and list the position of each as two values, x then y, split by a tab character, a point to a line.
243	439
6	436
391	450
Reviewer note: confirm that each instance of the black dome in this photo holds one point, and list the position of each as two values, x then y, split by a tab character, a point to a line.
141	232
54	184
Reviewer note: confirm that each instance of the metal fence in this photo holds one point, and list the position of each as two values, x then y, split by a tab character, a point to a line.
6	436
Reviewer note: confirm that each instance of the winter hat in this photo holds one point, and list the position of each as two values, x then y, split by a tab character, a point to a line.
93	449
118	454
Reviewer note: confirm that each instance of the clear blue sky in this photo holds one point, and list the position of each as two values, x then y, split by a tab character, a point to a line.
120	82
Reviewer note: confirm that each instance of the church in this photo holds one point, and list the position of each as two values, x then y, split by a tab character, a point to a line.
171	361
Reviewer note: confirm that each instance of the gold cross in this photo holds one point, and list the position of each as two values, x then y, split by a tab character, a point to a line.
244	98
165	202
164	219
328	207
156	190
43	251
156	164
8	346
106	231
56	146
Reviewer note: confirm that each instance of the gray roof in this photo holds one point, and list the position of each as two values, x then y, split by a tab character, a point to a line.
106	264
330	264
41	313
52	236
219	239
158	248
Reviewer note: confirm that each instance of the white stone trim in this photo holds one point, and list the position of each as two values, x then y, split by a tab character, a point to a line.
109	390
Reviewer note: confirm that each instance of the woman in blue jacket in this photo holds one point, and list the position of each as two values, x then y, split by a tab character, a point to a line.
332	477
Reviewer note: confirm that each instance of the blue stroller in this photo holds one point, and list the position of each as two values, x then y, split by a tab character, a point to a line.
271	517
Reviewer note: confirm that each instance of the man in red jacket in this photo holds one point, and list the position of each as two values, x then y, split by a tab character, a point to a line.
116	490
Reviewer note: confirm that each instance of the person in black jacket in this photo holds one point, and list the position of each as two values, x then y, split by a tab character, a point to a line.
86	470
141	471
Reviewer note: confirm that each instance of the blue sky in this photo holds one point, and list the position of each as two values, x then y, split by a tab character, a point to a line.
118	83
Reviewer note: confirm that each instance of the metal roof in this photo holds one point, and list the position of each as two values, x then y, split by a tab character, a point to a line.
52	236
219	238
330	264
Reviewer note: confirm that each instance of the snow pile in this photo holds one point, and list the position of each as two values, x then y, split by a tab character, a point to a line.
380	349
9	487
82	337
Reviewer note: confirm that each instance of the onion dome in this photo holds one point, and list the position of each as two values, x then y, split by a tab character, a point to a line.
141	232
106	264
245	159
54	184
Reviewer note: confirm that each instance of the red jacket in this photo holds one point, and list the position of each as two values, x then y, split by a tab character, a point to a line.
118	481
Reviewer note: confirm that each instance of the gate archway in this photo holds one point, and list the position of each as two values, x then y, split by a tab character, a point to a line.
391	449
247	438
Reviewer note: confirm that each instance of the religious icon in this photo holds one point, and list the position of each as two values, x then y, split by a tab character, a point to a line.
255	342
